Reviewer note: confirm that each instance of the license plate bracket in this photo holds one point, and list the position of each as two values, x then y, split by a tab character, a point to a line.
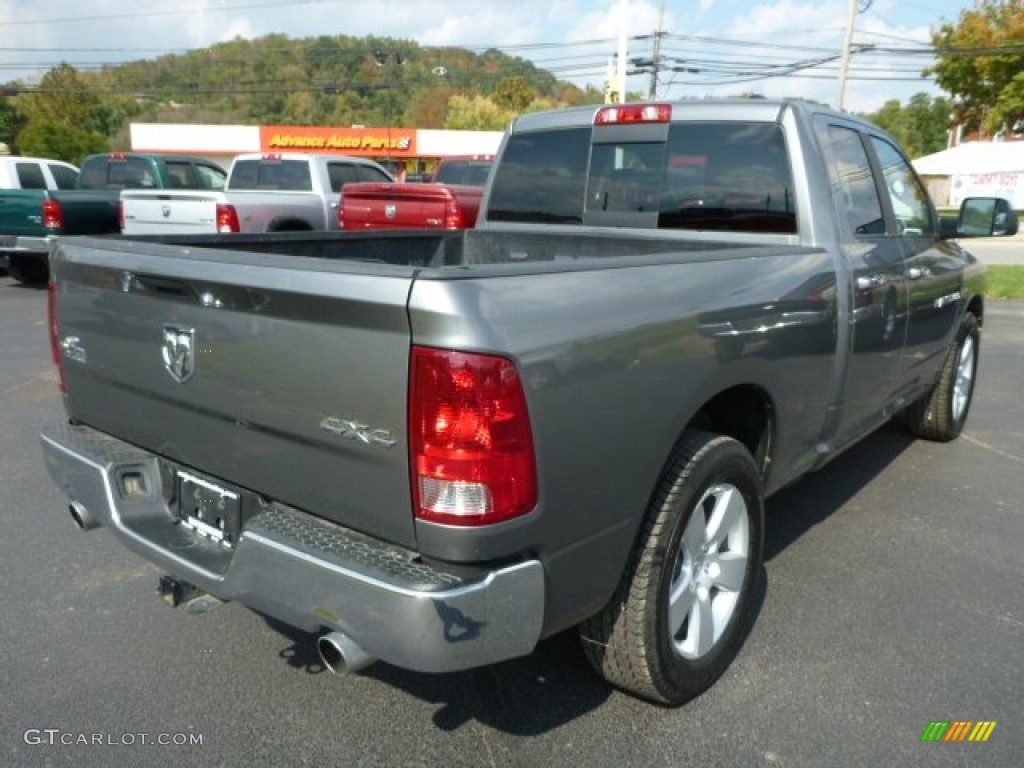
209	509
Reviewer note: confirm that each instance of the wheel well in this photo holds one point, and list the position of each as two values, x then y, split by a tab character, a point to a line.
977	308
289	225
744	413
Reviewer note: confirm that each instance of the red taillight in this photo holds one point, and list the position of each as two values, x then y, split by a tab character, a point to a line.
227	218
454	218
341	212
54	337
634	113
120	215
53	214
471	444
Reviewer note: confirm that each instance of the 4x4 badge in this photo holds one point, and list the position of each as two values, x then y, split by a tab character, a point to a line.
179	352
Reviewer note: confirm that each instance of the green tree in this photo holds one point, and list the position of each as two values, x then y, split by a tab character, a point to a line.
981	63
513	94
59	141
65	119
476	113
11	121
921	126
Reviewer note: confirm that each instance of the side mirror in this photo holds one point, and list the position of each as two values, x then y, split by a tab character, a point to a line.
986	217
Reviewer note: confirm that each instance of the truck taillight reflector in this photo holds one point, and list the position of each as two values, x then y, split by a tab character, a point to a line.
227	218
53	214
634	113
54	337
471	445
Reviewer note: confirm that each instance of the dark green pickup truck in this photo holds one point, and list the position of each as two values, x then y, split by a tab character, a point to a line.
30	219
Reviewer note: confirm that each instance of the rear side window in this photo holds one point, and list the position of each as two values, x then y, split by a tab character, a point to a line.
340	174
370	173
30	176
542	177
292	175
66	178
728	176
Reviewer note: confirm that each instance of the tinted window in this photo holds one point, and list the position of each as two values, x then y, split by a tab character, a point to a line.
117	172
179	175
131	173
728	176
210	176
910	202
855	185
625	177
542	177
272	174
30	176
340	174
470	172
66	178
370	173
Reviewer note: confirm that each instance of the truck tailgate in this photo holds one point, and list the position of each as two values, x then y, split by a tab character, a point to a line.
285	376
369	205
185	213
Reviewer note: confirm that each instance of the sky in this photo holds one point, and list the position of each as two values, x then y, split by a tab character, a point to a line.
709	48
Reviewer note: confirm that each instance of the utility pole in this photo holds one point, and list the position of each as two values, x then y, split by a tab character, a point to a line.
656	57
844	66
624	10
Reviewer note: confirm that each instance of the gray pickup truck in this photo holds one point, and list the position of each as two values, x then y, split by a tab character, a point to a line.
437	448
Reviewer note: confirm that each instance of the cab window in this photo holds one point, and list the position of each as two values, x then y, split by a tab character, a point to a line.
65	177
728	177
910	202
30	176
542	177
855	190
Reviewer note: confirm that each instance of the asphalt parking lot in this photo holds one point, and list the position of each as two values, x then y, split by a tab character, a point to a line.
892	599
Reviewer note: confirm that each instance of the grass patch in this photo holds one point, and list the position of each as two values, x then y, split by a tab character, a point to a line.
1005	281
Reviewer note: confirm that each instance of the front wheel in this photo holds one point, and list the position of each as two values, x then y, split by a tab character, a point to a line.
683	607
941	414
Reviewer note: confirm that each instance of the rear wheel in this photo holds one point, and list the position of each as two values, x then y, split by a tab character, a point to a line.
683	607
941	414
31	270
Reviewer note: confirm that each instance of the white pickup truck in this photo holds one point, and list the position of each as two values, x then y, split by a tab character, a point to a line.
279	192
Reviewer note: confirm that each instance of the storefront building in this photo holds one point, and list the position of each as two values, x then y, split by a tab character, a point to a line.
406	151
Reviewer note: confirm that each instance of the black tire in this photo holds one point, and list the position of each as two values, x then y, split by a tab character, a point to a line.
630	643
941	414
30	270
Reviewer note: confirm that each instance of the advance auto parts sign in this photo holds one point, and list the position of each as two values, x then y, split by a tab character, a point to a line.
373	142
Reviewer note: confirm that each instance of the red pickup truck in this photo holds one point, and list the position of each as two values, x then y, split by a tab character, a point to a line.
450	201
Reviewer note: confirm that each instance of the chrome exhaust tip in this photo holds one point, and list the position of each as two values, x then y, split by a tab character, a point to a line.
341	654
82	517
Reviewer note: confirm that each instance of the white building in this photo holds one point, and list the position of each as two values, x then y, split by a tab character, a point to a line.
975	169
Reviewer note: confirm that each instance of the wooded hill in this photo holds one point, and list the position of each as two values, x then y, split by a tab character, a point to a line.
334	80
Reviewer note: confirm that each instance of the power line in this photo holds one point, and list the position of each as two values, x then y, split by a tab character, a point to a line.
147	14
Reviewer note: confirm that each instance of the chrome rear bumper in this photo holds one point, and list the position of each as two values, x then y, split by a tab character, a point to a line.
307	572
